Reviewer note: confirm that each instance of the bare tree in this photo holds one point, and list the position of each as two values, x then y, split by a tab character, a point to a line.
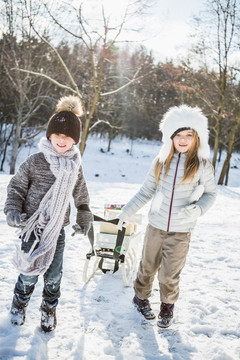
25	94
231	139
225	12
215	48
100	42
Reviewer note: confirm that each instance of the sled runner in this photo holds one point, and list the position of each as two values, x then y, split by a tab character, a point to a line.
112	249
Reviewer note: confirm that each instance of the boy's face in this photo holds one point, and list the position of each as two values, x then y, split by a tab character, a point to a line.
61	142
183	140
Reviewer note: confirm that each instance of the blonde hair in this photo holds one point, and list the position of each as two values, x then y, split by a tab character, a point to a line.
191	164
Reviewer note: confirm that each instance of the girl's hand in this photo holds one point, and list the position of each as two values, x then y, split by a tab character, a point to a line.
123	221
190	213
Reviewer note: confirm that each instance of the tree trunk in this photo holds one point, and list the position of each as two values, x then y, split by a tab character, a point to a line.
231	140
110	138
85	131
15	146
227	174
217	137
219	154
84	135
109	143
224	169
5	148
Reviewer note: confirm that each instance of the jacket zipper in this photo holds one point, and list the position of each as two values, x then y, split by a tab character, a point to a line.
173	188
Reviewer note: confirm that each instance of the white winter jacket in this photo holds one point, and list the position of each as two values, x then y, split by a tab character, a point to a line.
170	196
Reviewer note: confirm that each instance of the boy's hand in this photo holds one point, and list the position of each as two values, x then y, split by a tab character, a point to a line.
81	229
15	218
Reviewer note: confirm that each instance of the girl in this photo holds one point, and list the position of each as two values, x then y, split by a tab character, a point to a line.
181	185
38	202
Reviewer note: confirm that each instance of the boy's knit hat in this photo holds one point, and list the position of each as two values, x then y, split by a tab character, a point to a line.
66	119
179	118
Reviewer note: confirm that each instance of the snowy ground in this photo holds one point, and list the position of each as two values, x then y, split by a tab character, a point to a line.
97	320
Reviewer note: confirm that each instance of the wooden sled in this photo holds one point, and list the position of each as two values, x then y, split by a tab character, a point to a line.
112	252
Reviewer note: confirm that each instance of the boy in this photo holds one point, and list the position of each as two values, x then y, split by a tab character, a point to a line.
38	203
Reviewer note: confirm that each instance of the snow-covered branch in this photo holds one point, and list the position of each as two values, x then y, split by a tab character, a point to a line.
47	78
134	79
105	122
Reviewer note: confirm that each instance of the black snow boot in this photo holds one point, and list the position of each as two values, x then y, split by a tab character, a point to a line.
166	315
18	310
48	315
143	306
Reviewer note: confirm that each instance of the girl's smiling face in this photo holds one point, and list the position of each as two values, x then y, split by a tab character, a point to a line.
183	140
61	142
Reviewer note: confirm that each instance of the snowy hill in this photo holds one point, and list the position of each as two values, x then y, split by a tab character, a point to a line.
97	320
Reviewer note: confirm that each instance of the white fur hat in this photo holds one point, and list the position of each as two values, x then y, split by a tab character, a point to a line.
180	118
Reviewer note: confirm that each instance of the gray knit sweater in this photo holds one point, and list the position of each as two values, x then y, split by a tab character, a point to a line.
32	181
174	195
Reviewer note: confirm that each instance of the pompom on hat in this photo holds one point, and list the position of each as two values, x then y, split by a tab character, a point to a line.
179	118
66	119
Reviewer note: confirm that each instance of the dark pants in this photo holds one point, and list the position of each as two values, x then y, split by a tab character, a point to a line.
52	277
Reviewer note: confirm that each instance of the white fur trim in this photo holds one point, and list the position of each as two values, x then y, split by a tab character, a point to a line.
179	117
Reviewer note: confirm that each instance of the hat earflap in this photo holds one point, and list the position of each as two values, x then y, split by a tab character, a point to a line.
165	151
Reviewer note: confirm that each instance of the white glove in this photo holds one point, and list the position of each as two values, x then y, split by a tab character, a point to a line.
190	213
123	220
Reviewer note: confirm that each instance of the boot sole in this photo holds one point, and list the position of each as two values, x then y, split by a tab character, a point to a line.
145	317
16	323
164	326
47	330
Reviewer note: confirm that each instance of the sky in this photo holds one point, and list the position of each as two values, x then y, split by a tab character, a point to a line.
97	320
172	25
164	27
167	25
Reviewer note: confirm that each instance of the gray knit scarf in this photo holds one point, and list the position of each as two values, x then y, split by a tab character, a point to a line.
47	221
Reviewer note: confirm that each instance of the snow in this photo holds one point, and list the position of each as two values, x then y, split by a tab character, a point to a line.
97	320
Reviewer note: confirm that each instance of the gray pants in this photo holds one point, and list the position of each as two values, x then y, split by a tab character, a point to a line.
163	253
